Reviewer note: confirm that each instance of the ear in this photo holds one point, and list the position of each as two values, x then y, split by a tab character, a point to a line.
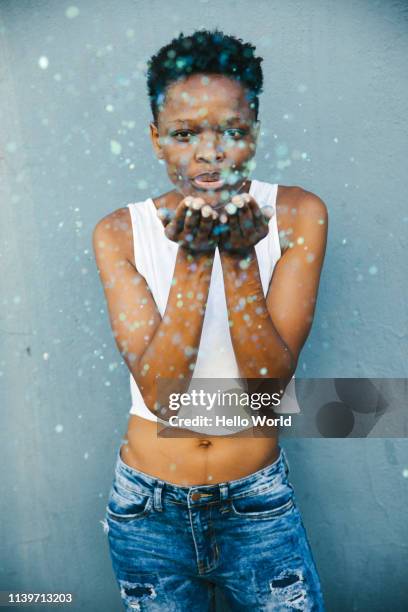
154	136
256	128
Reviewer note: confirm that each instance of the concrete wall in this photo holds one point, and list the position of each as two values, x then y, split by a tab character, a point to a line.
74	146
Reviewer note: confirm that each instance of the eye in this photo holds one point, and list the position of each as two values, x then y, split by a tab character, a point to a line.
182	135
234	133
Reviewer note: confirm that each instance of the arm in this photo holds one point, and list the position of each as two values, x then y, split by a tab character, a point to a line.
153	347
269	333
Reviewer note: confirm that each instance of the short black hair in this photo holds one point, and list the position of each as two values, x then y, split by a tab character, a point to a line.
208	52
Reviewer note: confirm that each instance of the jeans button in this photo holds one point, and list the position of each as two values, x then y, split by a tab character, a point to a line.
195	496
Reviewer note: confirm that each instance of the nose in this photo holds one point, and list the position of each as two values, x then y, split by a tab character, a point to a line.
208	150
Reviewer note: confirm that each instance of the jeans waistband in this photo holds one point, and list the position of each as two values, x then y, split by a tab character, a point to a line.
140	482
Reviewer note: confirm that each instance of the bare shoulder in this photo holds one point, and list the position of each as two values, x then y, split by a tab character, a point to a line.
295	205
116	227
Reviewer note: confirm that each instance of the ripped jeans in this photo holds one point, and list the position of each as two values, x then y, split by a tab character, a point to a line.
170	545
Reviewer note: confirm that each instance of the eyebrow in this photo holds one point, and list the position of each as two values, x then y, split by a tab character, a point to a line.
227	121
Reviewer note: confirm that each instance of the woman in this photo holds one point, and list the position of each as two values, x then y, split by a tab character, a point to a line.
217	278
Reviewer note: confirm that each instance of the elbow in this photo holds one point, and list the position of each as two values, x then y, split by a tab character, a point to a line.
146	388
277	376
290	363
283	367
287	367
157	392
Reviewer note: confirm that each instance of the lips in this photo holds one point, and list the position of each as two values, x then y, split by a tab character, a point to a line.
208	176
208	180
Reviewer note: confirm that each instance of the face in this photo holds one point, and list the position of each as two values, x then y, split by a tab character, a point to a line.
206	135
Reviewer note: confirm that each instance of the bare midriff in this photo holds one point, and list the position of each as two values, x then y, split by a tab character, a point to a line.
199	460
207	459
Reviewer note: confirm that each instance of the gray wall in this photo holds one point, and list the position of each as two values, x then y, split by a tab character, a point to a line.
334	121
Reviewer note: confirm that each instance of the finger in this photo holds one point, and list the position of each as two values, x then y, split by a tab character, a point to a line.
247	224
208	211
165	215
240	199
260	221
192	219
268	212
234	239
176	225
205	228
221	227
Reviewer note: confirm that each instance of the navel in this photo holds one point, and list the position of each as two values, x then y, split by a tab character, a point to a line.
204	443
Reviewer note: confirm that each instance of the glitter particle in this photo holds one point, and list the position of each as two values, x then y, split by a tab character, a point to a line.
244	264
115	147
72	12
43	62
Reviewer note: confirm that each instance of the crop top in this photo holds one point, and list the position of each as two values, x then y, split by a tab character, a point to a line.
155	258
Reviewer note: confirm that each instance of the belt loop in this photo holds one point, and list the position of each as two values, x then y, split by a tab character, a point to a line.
157	496
224	494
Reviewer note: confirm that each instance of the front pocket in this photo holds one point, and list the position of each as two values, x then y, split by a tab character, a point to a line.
265	504
127	505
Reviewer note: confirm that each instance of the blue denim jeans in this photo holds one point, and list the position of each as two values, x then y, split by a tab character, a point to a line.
170	545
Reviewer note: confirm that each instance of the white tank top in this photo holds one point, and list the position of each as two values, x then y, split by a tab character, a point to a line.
155	258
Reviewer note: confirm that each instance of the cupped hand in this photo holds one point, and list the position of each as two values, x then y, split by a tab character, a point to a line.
191	225
244	223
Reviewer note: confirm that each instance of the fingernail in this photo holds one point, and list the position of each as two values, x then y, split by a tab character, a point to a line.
162	213
230	208
238	201
268	211
196	204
